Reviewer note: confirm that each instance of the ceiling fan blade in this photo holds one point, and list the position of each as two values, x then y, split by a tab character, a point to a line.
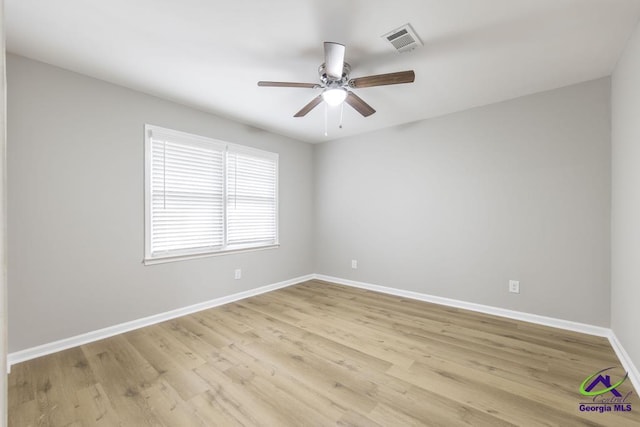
334	59
383	79
310	106
359	105
288	84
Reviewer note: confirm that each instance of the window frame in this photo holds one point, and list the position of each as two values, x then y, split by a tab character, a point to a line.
149	258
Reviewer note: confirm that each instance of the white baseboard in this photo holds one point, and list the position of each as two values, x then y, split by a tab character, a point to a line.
502	312
63	344
626	361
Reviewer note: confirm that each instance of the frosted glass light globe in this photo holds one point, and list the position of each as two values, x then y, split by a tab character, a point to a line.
334	96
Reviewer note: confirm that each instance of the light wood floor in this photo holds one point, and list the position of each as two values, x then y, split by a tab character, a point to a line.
320	354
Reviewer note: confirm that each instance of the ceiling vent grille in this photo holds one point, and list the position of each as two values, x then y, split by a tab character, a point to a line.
403	39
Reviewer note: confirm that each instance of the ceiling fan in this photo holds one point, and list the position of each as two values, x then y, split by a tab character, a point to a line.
336	84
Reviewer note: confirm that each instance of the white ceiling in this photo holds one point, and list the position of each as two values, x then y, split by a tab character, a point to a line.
210	54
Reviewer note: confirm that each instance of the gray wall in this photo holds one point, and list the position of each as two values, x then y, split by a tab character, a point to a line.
3	235
625	213
75	219
458	205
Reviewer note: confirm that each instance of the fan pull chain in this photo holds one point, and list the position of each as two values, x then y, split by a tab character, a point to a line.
326	113
341	111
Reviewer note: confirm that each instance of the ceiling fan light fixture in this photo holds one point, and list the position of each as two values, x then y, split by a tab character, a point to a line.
334	96
338	86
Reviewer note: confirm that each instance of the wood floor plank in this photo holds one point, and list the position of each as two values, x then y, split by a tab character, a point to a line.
355	419
134	366
170	407
26	414
95	408
55	396
414	402
21	385
318	353
182	379
231	400
122	390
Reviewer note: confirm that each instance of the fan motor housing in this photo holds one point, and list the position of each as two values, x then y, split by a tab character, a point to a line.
329	82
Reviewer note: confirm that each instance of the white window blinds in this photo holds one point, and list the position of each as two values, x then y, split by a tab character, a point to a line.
251	198
205	196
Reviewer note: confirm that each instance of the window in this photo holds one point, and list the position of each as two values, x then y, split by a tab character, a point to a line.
204	196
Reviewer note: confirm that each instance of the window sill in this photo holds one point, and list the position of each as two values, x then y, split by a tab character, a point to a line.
175	258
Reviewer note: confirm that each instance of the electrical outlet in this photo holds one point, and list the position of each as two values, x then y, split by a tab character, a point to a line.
237	274
514	286
354	264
